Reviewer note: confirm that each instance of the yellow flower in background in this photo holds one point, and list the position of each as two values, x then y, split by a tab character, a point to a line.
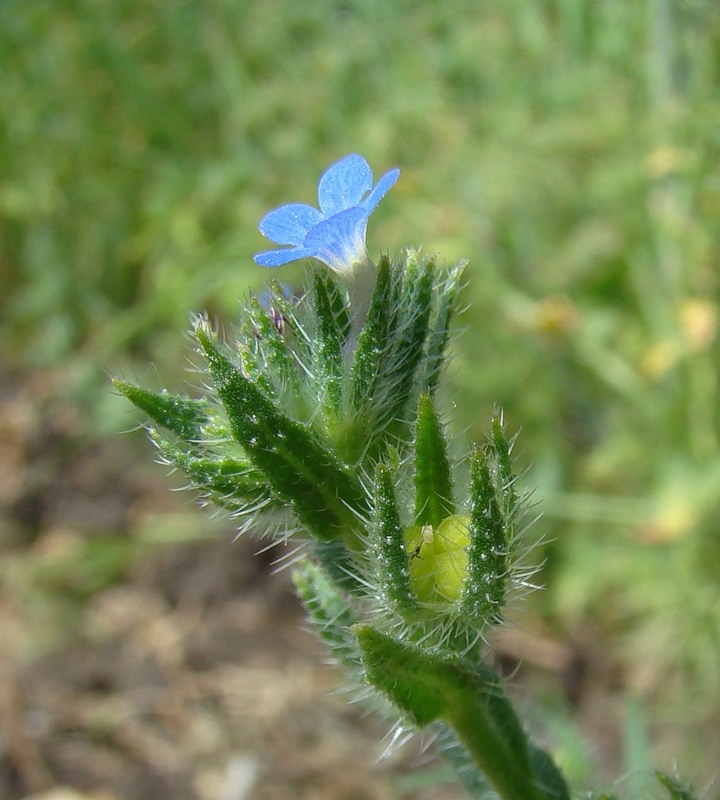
663	161
556	315
659	358
698	319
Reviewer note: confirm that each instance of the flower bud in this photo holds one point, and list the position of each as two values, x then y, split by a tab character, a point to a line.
438	559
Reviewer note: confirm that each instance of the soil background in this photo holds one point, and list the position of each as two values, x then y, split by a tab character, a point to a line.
146	654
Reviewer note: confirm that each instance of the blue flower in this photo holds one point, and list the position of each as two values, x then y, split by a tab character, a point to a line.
335	234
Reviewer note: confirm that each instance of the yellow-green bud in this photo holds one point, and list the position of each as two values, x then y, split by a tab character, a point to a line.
438	559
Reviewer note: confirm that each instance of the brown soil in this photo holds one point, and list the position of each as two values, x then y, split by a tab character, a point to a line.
135	668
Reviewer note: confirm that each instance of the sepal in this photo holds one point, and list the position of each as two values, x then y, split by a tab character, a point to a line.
439	335
182	416
416	303
391	360
390	554
263	351
502	468
333	327
433	482
487	553
366	368
231	484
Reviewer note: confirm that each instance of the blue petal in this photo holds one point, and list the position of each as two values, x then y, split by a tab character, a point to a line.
344	184
289	224
276	258
382	187
339	241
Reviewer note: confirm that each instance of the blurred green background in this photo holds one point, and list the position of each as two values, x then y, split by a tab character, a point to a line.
570	149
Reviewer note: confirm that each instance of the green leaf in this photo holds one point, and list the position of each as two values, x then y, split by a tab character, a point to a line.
468	697
182	416
451	749
548	777
416	682
389	544
433	482
328	610
338	306
285	312
324	495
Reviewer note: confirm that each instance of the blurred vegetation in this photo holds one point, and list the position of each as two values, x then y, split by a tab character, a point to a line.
569	148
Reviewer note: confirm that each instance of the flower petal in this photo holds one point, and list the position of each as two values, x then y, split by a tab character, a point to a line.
289	224
382	187
339	241
344	184
276	258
